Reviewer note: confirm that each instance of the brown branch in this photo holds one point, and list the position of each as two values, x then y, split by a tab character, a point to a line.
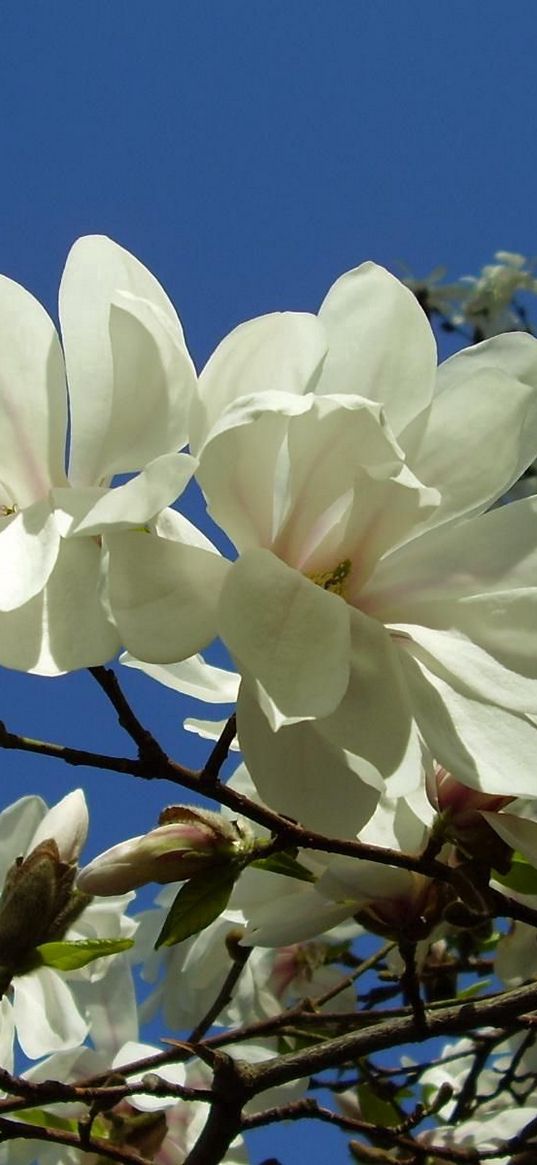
15	1130
212	766
452	1020
231	1088
148	747
153	764
288	833
32	1093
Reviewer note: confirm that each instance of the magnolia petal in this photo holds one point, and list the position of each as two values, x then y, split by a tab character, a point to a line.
193	677
33	399
109	1004
293	637
470	669
67	823
518	832
515	353
400	823
208	730
130	376
238	468
7	1035
335	448
488	1132
133	1051
281	351
382	515
18	823
490	419
46	1017
67	626
346	880
362	308
483	746
302	773
164	595
103	918
29	547
285	911
131	505
492	553
374	720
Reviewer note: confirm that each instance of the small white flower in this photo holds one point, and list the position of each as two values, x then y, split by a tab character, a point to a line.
42	1005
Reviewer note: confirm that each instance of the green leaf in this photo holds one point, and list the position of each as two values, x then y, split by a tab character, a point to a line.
68	956
474	989
376	1109
197	904
46	1119
490	943
522	878
283	863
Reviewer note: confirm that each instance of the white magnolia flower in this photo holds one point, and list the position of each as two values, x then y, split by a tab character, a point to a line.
130	381
488	303
483	1133
48	1009
495	1117
372	626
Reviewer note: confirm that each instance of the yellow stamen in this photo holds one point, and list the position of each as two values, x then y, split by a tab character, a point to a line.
333	580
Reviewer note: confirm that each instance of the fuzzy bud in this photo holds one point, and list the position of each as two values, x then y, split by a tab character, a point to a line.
186	842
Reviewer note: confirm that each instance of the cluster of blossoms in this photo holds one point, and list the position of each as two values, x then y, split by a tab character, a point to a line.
486	303
378	606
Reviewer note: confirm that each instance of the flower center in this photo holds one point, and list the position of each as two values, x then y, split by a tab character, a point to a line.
333	580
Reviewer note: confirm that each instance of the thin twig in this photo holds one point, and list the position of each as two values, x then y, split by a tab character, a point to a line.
148	747
211	770
225	995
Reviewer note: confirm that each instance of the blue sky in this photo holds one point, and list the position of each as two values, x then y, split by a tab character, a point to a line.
248	151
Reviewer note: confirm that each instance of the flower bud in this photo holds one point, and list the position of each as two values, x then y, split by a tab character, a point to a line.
464	823
189	841
67	822
37	889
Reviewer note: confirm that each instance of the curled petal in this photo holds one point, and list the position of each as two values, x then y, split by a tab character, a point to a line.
128	506
282	351
130	376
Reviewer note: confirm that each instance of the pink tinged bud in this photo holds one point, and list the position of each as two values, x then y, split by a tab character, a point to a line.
448	795
175	851
67	824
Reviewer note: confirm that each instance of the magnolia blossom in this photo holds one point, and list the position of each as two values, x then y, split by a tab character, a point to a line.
367	619
495	1118
488	302
47	1008
189	975
130	381
187	841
